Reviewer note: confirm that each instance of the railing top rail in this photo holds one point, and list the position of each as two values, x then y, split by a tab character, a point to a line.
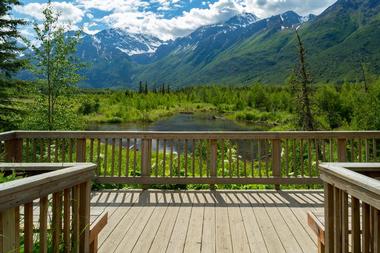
199	134
360	186
21	191
7	135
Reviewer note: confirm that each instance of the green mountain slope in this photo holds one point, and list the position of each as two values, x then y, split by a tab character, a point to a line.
337	41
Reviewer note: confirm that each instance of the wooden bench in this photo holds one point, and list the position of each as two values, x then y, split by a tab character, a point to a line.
95	229
316	222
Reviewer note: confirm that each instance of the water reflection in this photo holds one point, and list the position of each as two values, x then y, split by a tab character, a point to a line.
247	150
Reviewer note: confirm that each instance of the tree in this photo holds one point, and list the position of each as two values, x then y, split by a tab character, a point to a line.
9	61
55	63
301	86
146	88
141	89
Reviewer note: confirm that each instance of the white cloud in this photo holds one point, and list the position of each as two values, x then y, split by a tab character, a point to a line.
151	23
69	12
265	8
136	17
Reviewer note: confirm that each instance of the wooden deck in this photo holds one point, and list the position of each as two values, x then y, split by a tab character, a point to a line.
206	221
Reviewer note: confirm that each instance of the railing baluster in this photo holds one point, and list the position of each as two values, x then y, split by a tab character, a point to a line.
317	156
193	158
55	150
366	234
287	157
355	225
178	158
63	150
230	161
66	219
260	157
134	157
337	220
360	149
200	159
91	150
345	217
164	159
185	156
302	160
120	156
98	151
105	163
222	157
157	156
237	161
71	146
374	149
27	150
28	227
376	230
309	154
113	157
56	221
44	204
171	158
35	150
42	148
127	158
75	218
49	150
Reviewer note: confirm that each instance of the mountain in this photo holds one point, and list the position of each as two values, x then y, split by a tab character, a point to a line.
337	41
198	51
242	50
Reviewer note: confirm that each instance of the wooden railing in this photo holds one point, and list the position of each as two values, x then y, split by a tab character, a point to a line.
352	207
63	194
275	158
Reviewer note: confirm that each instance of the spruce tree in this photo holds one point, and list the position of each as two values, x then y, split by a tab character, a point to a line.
146	88
301	85
9	61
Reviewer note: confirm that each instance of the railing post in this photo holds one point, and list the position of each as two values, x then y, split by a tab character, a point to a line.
84	216
9	230
213	161
342	153
329	218
81	150
13	150
146	159
276	160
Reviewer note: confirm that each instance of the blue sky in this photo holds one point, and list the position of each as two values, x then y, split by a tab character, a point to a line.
166	19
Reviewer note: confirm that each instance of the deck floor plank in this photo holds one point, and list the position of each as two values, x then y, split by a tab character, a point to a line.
162	237
206	221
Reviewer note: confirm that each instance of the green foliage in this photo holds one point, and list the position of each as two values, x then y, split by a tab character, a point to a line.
65	116
57	68
9	61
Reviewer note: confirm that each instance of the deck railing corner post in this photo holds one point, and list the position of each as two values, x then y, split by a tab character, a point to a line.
276	160
13	150
81	150
213	160
146	157
342	149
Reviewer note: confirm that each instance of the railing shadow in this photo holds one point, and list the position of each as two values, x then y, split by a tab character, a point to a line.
243	198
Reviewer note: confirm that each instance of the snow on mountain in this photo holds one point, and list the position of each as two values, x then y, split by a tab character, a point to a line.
128	43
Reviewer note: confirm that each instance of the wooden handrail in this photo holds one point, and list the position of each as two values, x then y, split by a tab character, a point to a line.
68	187
198	134
149	157
360	216
353	183
22	191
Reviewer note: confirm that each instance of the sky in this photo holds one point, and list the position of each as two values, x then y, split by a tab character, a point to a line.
165	19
